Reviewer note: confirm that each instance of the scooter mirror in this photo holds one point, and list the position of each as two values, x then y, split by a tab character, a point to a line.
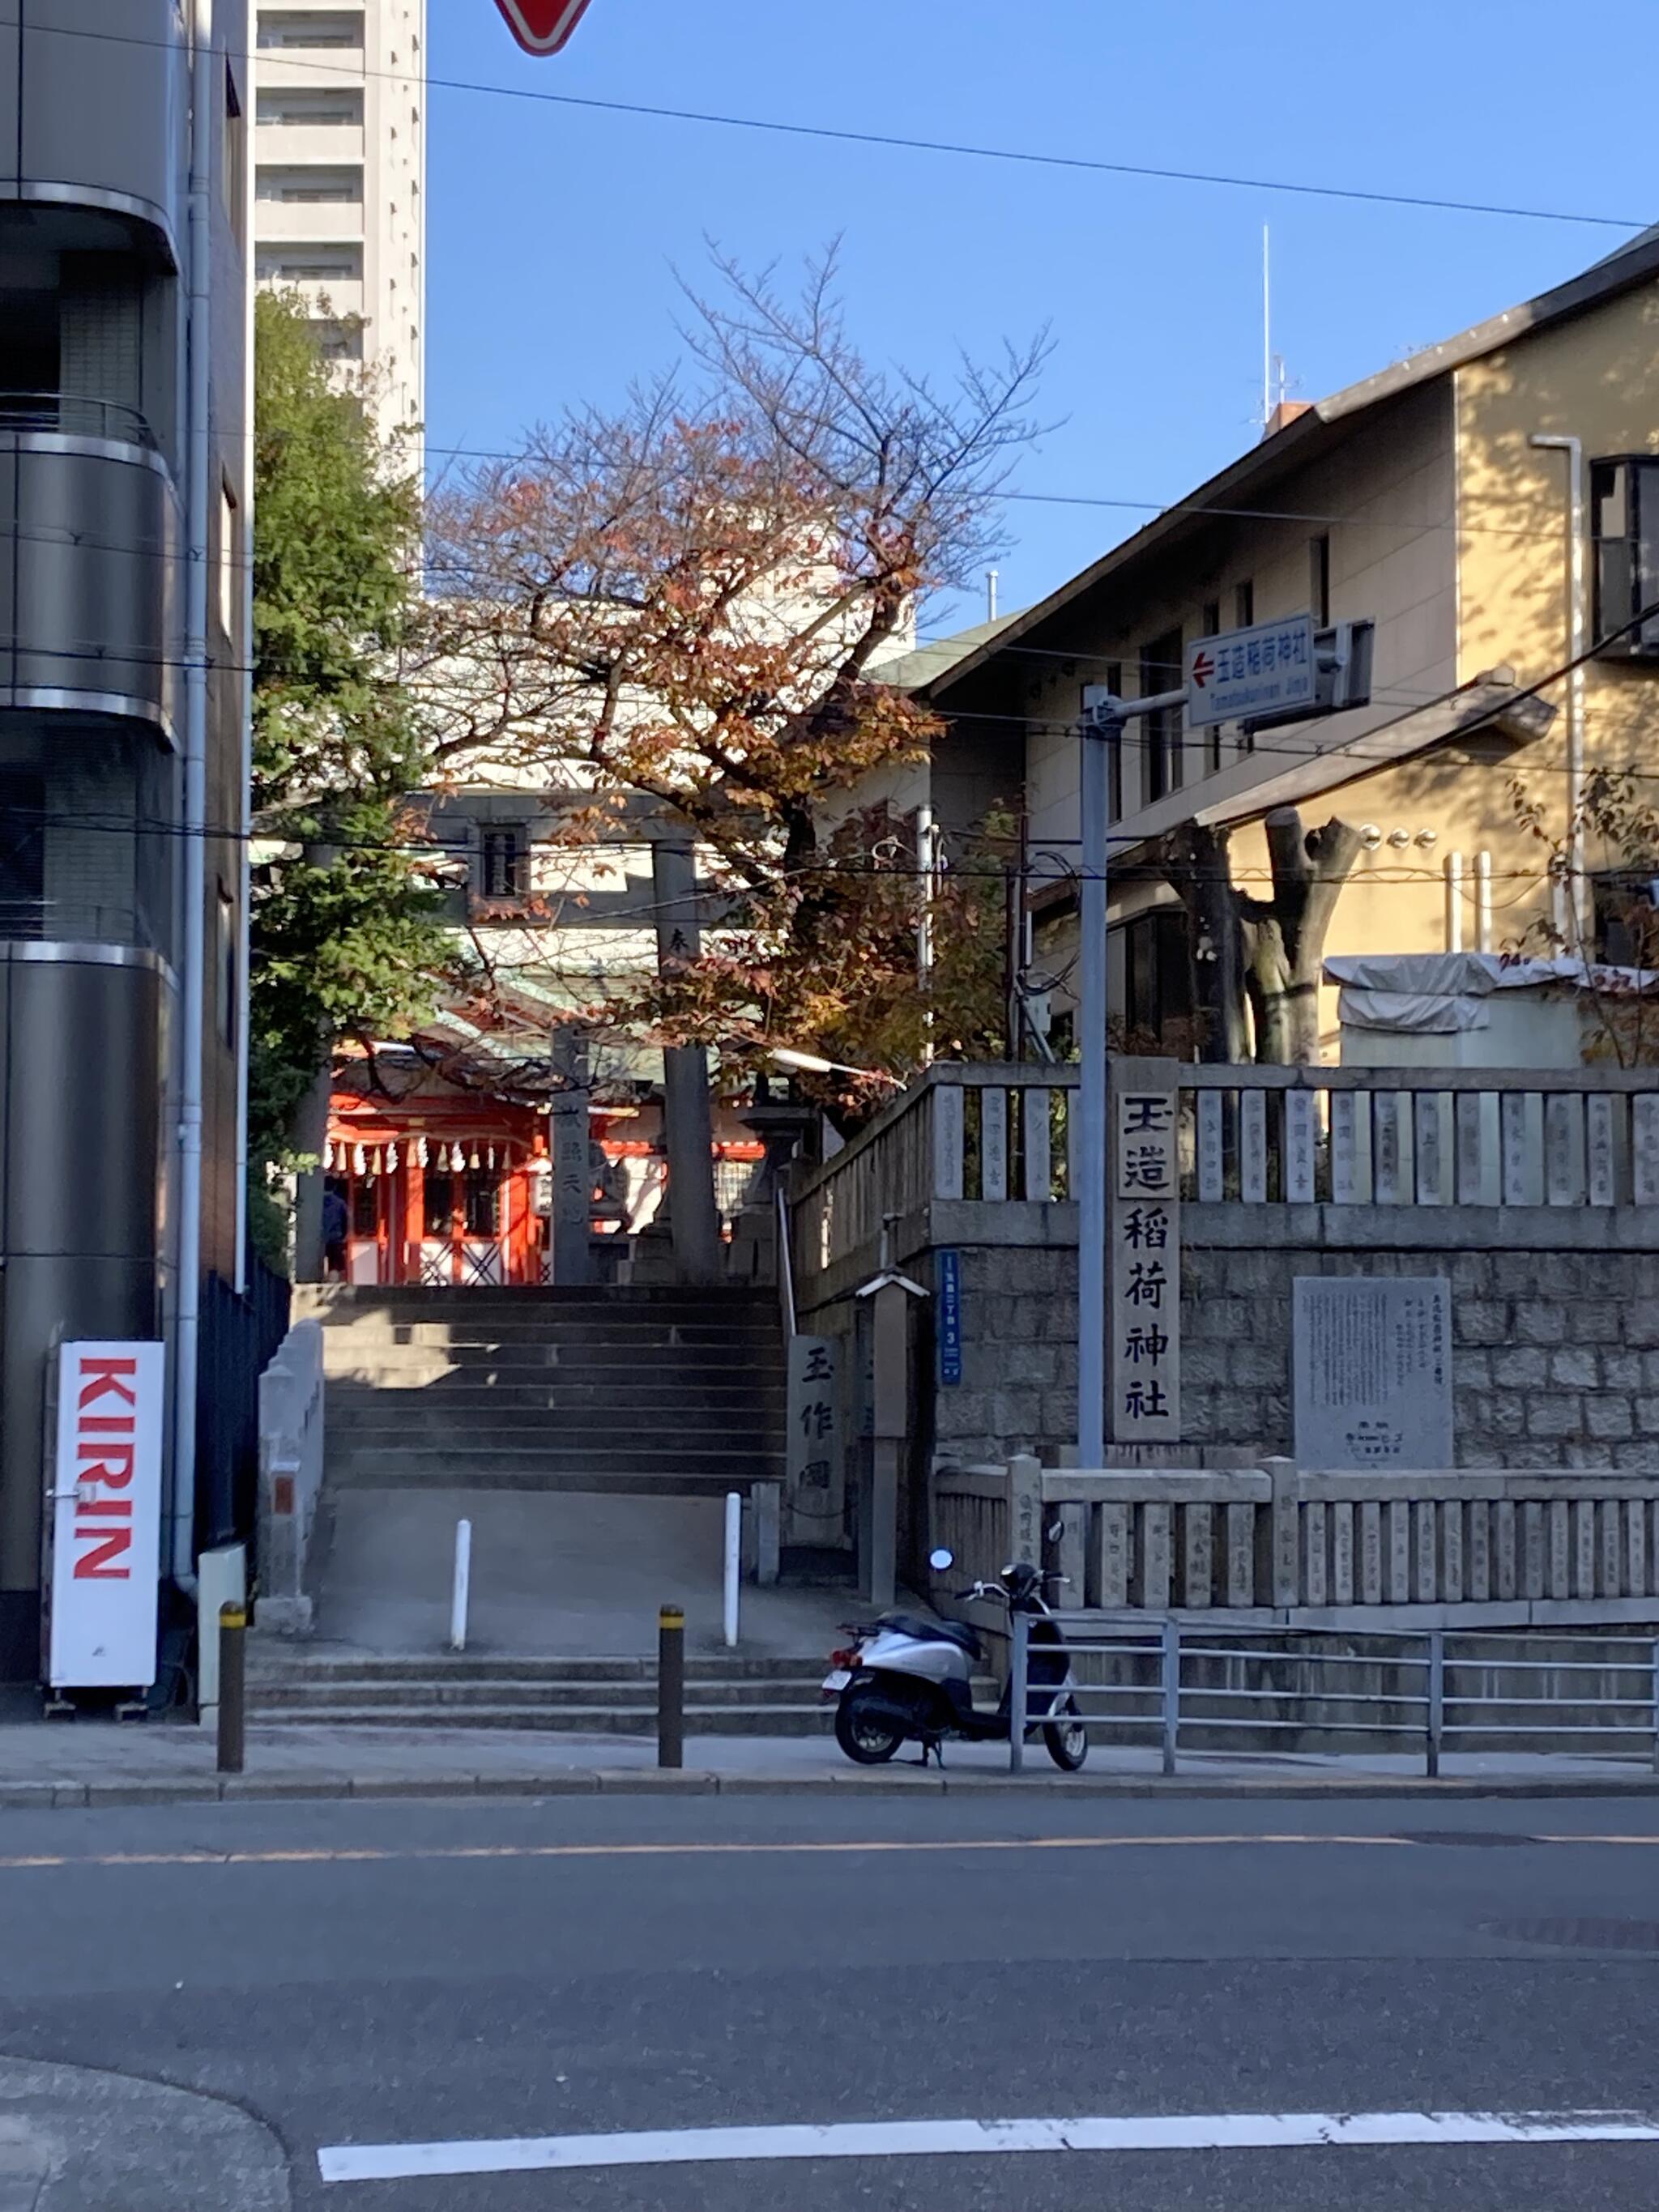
940	1559
1056	1530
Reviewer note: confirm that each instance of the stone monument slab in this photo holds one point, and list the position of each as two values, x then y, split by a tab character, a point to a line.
1373	1372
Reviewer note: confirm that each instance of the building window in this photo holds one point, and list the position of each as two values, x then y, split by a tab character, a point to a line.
230	562
23	852
503	850
301	187
1113	743
1161	733
292	262
292	27
481	1202
1243	617
365	1205
337	341
1158	983
233	153
1210	626
225	964
437	1201
1624	546
1319	580
1114	756
336	105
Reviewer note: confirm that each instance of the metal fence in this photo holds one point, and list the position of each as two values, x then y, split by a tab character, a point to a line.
1173	1688
240	1335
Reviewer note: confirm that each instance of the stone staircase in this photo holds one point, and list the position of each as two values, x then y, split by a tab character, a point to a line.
665	1392
726	1694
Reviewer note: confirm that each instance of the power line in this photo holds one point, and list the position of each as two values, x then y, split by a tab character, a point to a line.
955	149
1392	875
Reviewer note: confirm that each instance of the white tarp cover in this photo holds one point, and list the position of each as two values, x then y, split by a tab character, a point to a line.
1444	993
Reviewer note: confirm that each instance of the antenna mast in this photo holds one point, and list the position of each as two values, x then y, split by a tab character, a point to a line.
1266	334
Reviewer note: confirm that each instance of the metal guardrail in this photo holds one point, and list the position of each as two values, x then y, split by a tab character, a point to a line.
72	414
1430	1708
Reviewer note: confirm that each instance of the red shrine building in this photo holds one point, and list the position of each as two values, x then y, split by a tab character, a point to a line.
447	1183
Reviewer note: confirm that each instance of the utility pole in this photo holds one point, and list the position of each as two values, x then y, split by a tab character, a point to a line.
687	1123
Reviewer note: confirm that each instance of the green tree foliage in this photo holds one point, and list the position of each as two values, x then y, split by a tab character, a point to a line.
1606	917
344	935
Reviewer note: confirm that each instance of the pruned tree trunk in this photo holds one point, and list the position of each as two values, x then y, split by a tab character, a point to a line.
1195	861
1268	951
1285	935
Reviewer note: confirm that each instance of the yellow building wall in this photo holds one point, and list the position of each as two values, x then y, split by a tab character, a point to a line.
1597	378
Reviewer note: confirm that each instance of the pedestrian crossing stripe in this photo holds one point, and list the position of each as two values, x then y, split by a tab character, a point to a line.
948	2139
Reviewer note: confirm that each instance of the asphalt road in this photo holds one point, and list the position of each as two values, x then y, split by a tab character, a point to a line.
354	1975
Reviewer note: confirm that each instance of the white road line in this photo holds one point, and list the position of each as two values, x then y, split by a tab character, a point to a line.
975	2139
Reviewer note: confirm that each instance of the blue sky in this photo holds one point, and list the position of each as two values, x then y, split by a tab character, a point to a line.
554	233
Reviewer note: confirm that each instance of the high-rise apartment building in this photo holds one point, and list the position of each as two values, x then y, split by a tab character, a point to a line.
339	179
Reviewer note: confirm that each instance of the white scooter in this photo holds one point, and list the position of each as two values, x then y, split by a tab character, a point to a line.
909	1679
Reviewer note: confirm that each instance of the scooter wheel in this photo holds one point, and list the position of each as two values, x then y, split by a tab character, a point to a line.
865	1732
1067	1740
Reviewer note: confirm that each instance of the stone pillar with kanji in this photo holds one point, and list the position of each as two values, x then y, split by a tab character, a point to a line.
1144	1257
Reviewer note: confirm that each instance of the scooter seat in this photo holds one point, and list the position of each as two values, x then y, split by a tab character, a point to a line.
934	1632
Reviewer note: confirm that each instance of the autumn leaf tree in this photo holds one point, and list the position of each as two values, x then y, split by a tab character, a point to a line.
690	601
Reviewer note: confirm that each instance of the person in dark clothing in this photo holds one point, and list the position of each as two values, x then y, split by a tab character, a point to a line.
335	1219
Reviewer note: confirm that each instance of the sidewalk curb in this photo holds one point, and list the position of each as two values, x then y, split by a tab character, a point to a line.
582	1781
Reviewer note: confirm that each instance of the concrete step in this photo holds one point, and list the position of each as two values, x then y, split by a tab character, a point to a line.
449	1471
329	1302
648	1442
644	1396
761	1426
532	1362
817	1717
643	1407
698	1332
409	1302
274	1660
462	1698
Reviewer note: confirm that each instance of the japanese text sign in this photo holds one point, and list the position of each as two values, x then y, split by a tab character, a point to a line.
1270	669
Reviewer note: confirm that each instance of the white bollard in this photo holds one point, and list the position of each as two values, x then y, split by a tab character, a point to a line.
733	1562
463	1589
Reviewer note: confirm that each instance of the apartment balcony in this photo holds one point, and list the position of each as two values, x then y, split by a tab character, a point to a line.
281	222
339	300
329	143
90	582
62	67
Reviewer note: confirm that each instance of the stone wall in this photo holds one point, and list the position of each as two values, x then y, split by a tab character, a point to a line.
1557	1352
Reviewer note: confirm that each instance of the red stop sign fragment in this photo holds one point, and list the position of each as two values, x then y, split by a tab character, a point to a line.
541	26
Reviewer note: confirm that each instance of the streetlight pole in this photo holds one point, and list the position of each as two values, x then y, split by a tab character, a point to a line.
1100	729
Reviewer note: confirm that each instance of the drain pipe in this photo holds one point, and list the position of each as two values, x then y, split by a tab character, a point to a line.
245	811
1578	902
188	1309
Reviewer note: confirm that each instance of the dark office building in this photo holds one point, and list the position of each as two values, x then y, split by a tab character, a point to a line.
123	221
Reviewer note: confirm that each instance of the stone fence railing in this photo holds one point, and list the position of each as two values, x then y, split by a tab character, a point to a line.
290	1478
1277	1543
1253	1137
